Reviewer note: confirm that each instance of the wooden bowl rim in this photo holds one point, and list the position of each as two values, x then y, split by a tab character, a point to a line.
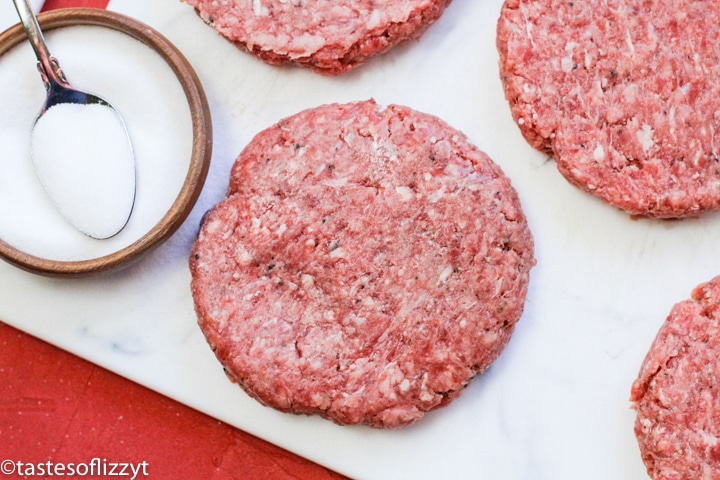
201	144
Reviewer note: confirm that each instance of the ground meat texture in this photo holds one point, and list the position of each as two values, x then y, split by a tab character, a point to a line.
330	37
677	393
366	264
623	93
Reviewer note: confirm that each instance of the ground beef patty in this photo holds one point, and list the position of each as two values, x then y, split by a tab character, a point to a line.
331	37
623	93
677	393
366	264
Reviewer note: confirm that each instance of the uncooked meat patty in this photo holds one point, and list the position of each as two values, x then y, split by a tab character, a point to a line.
331	37
625	94
366	264
677	393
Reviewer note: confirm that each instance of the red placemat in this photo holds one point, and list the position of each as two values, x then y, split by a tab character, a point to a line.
61	416
54	4
58	411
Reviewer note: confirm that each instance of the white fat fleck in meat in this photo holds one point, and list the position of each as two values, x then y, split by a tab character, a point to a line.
696	158
646	423
360	284
390	376
243	257
375	19
359	321
321	401
405	193
435	197
645	137
336	251
490	338
427	396
259	9
336	182
567	63
671	121
712	141
306	43
455	170
213	226
348	137
368	302
317	364
629	42
599	153
445	274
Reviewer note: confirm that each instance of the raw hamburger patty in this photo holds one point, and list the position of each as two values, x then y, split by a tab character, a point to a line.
366	264
331	37
677	393
623	93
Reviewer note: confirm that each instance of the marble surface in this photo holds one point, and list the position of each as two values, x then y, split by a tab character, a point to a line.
554	406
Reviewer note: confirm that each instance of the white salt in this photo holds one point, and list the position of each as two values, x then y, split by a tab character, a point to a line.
84	159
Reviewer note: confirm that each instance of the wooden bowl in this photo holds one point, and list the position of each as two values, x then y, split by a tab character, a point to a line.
201	143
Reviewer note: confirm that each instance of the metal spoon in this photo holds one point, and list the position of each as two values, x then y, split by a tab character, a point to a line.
60	92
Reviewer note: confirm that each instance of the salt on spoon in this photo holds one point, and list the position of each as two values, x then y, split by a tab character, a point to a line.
80	148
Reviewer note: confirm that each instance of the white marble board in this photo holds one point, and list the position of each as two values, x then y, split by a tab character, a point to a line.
554	406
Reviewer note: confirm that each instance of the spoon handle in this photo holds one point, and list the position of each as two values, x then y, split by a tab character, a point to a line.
47	64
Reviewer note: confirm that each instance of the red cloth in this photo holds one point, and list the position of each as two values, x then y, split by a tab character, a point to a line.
57	409
53	4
